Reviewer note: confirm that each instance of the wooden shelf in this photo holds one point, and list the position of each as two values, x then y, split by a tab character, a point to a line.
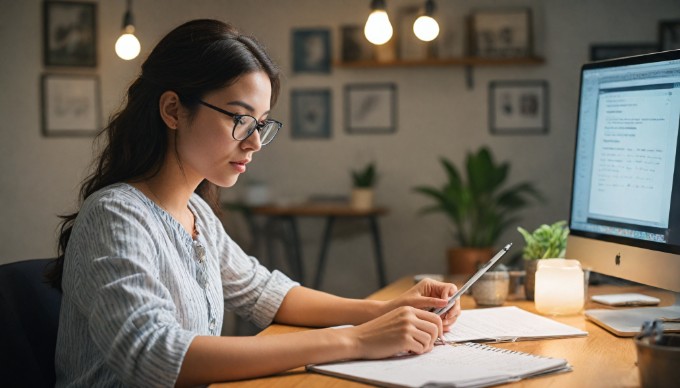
467	62
462	61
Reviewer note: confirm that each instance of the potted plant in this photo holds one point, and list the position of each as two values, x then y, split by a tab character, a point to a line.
546	242
479	205
363	181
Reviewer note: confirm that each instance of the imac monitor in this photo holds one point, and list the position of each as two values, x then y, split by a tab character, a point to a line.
625	202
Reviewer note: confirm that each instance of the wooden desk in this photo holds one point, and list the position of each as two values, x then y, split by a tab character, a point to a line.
598	360
288	216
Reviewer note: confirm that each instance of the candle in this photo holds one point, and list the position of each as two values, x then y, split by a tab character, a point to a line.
559	287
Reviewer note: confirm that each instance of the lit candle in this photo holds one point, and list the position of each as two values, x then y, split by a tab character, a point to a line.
559	287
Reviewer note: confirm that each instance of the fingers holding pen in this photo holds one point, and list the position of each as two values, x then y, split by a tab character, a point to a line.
402	329
451	316
430	328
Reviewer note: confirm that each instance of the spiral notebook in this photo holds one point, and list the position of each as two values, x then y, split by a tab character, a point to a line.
461	365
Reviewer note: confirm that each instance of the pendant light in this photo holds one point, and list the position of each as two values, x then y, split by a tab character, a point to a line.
127	46
425	27
378	29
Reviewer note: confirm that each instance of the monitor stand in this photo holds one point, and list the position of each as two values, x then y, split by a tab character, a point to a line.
626	322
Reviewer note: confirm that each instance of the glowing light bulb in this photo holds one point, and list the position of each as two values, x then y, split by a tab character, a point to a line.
378	29
426	28
127	46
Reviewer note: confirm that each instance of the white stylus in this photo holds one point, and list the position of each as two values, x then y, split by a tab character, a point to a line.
473	279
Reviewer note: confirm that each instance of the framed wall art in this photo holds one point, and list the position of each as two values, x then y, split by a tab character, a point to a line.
311	113
600	52
503	33
70	105
354	45
518	107
70	33
312	50
669	35
371	108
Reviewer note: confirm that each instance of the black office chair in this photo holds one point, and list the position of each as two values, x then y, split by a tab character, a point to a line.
29	316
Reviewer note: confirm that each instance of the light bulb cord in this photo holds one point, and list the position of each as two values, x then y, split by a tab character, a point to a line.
429	7
378	5
128	19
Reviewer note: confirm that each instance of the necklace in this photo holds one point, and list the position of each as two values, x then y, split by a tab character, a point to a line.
194	230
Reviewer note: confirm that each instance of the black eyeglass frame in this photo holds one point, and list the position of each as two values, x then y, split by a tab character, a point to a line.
258	126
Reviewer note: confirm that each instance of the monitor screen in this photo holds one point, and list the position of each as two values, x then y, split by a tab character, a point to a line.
625	203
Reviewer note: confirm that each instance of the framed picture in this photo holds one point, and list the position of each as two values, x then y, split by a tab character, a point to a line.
70	33
410	47
70	105
355	47
312	51
669	35
371	108
599	52
501	33
518	107
311	113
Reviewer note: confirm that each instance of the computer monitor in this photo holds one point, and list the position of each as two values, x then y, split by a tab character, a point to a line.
625	199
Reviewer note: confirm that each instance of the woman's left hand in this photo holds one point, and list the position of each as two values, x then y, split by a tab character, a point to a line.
427	294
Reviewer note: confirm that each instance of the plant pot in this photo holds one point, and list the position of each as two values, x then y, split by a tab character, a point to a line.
530	267
465	261
362	198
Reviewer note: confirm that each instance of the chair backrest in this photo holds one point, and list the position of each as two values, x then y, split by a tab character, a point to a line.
29	317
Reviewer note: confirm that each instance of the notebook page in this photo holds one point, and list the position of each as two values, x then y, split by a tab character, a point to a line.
463	365
506	324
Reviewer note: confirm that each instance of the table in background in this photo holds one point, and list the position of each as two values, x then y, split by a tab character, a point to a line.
288	215
598	360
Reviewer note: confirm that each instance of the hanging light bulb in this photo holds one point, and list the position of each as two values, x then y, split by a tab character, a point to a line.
425	27
127	45
378	29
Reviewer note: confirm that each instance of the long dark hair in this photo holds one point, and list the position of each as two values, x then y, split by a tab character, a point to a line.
192	60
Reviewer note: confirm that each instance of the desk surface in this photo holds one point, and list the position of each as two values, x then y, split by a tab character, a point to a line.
600	359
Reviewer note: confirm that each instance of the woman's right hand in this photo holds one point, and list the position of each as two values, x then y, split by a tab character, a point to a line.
404	329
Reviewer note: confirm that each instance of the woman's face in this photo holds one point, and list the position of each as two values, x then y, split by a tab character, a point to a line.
205	143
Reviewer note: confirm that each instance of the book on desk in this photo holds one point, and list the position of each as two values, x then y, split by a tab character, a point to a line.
462	363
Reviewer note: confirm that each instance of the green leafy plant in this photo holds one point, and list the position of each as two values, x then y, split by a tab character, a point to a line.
365	177
479	206
546	242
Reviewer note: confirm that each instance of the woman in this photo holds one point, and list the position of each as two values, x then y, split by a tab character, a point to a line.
146	267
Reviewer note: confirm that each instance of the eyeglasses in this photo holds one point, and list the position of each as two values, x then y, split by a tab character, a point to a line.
245	125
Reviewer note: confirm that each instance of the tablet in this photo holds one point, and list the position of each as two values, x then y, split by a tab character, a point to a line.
473	279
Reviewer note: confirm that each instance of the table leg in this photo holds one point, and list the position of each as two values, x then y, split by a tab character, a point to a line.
270	235
324	250
378	250
296	251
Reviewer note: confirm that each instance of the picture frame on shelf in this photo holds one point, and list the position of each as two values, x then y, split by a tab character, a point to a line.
311	113
371	108
311	50
518	107
354	45
71	105
599	52
669	35
410	47
70	33
501	33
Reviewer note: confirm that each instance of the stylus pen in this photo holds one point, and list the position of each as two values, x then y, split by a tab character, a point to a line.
473	279
453	300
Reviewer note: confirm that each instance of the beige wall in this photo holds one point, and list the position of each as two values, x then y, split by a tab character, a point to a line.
437	116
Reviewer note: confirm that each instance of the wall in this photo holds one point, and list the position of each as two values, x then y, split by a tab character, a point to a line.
437	116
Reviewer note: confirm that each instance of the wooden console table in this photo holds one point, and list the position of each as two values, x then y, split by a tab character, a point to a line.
288	215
